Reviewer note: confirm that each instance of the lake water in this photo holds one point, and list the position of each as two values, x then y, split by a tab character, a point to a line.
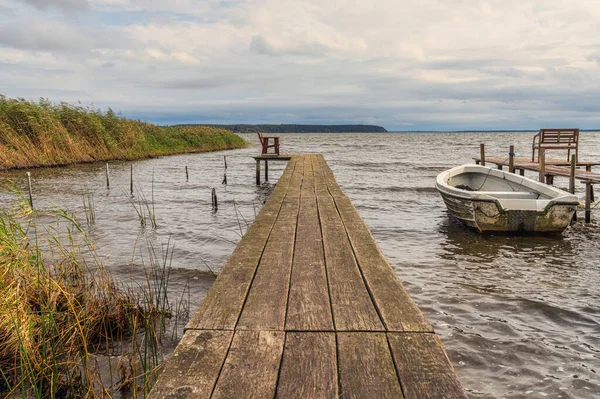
519	316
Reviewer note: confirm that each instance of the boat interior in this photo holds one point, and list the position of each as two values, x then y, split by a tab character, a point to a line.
496	186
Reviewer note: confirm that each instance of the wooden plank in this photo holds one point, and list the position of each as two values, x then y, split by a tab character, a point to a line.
252	366
309	367
397	309
309	308
266	305
424	369
365	366
223	303
194	367
352	307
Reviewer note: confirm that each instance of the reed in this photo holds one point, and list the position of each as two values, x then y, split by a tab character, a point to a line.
61	311
34	134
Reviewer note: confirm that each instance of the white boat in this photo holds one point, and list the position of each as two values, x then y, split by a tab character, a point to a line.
489	199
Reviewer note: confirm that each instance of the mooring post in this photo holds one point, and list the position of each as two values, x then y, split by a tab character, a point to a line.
187	175
215	204
107	179
131	181
511	159
482	153
258	172
225	171
542	161
266	170
30	193
588	202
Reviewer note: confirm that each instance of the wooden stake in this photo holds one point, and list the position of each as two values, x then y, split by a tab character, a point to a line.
522	172
482	153
542	161
588	202
572	175
187	175
131	182
225	172
215	204
30	193
511	159
107	179
258	172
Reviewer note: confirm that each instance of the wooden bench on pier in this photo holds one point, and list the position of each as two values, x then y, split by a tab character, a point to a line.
307	306
556	139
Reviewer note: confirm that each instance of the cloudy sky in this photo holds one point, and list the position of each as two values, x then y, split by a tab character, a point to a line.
403	64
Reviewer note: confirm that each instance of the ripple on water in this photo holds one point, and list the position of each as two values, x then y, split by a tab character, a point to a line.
519	316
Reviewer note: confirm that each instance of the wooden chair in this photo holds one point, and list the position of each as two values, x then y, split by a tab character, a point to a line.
264	141
556	139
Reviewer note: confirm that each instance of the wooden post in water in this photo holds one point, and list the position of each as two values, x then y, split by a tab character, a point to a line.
511	159
107	179
131	182
187	175
215	204
30	193
258	172
522	172
225	172
266	170
482	153
588	202
542	162
572	175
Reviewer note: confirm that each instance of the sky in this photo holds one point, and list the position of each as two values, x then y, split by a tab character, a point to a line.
404	65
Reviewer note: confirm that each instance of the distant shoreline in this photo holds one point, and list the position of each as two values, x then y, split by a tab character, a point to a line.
296	128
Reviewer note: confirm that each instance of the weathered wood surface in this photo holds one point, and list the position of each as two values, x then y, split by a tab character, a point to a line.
309	368
252	365
424	369
307	306
366	367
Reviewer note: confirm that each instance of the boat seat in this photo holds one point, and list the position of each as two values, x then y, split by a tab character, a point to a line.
517	195
517	204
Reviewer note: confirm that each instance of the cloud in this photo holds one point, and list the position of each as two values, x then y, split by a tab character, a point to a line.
39	35
66	6
433	63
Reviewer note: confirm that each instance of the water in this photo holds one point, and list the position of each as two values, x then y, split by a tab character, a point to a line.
519	316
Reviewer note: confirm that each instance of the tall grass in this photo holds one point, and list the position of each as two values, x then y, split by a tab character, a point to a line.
61	309
45	134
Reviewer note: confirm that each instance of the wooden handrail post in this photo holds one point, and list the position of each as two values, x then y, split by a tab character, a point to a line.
542	155
572	174
482	153
511	159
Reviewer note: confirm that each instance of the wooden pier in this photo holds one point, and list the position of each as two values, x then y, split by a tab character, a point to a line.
307	306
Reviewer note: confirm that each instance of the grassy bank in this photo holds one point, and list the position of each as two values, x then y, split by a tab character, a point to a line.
34	134
62	314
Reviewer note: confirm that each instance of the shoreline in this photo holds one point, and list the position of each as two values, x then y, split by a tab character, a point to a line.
125	159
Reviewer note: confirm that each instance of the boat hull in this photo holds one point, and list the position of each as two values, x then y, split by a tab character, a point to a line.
487	216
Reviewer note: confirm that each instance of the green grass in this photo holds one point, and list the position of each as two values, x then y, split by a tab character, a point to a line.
35	134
